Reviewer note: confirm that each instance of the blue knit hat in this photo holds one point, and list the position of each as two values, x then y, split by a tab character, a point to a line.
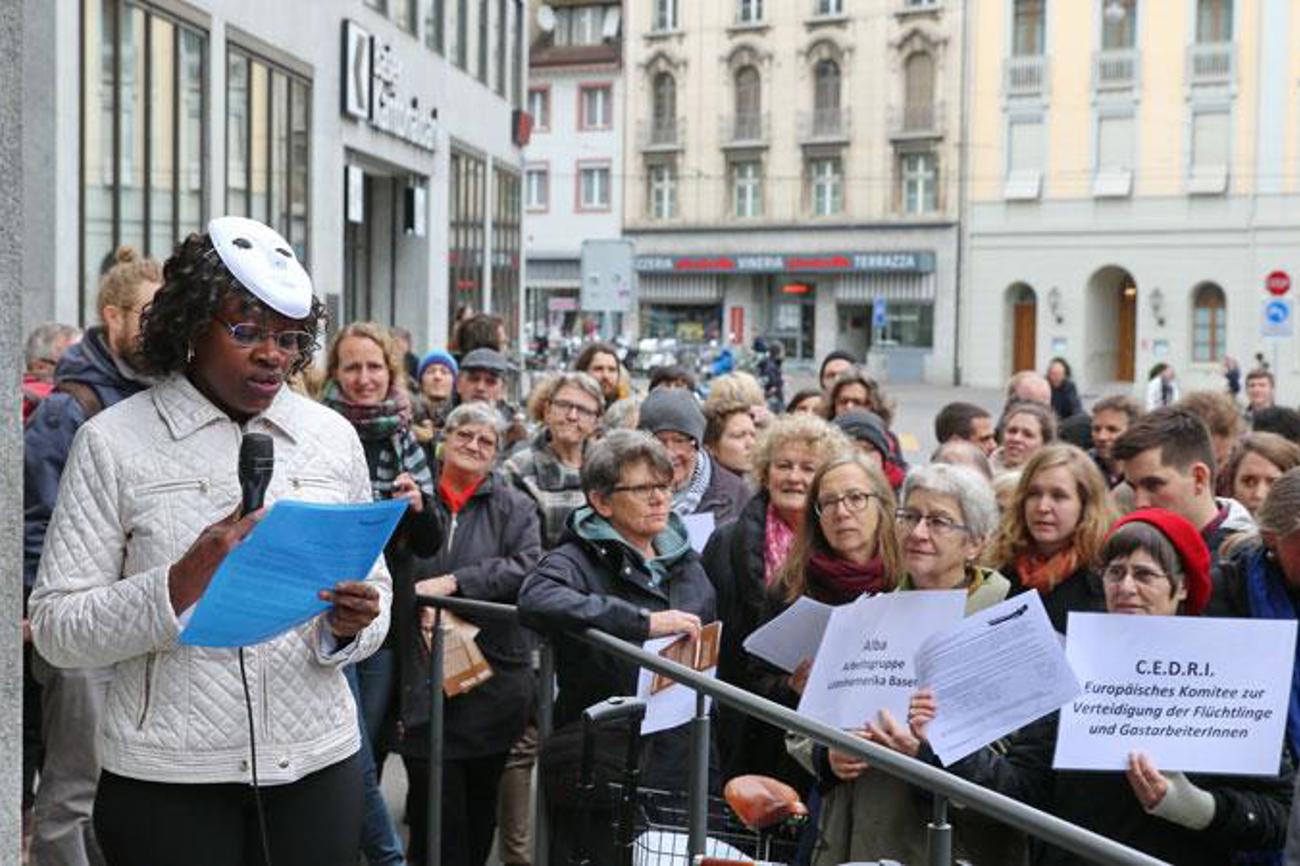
438	356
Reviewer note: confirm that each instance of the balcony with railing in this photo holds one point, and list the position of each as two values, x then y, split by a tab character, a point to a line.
1116	69
917	121
744	130
824	126
1025	75
665	134
1211	63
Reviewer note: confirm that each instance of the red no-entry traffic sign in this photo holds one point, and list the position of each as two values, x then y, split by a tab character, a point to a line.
1278	283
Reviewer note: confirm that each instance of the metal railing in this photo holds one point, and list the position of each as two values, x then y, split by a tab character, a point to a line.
917	120
1025	75
824	124
1211	63
665	133
1115	69
749	128
942	785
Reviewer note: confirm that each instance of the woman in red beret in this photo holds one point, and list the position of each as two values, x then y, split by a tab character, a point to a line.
1153	563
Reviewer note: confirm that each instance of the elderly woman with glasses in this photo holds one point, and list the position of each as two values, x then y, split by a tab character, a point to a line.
1154	563
548	467
946	516
492	541
626	567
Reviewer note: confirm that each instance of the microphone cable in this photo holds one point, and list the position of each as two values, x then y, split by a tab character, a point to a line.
252	752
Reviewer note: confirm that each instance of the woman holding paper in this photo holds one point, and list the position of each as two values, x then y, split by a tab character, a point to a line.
1050	535
493	539
742	559
148	511
946	516
1156	564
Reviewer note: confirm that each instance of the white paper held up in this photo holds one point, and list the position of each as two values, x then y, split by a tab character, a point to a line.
785	641
699	528
993	673
865	663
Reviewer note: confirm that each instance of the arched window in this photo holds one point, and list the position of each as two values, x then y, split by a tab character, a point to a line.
749	104
1209	324
918	83
826	97
665	108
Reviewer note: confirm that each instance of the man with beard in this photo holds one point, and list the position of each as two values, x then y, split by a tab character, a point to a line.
92	375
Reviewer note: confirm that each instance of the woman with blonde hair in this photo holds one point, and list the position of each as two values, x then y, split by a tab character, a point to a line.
1255	465
1051	533
743	557
741	387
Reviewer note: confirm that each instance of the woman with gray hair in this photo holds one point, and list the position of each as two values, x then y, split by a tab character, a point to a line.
547	468
492	541
946	516
626	567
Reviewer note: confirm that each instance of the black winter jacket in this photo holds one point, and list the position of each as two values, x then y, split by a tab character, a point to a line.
604	585
489	546
724	496
1081	591
1250	812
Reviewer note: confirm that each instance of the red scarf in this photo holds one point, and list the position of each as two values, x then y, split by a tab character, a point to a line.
1045	573
454	498
840	581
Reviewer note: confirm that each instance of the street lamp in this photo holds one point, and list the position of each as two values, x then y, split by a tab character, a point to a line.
1054	304
1158	306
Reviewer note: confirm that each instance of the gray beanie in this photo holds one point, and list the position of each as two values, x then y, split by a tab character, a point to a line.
865	427
674	409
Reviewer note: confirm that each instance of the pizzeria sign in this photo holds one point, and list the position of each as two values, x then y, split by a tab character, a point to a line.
775	263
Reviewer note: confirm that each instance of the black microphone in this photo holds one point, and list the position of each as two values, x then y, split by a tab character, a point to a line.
256	463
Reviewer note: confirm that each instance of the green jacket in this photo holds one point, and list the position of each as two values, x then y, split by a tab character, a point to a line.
878	816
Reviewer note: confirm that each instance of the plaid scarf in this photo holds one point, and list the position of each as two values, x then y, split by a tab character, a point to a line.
373	421
385	432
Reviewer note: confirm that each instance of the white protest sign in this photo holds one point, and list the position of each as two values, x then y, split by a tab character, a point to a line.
1180	689
866	659
993	673
786	640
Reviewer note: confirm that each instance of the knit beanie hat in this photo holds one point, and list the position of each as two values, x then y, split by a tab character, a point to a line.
438	356
865	426
673	409
1189	544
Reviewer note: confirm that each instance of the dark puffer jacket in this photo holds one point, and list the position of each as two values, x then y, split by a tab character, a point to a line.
1081	591
1250	812
593	581
489	546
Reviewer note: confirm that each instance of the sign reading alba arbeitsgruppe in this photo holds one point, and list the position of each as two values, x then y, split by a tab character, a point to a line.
1195	694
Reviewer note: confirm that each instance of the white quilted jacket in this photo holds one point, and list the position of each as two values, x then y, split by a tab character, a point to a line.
142	481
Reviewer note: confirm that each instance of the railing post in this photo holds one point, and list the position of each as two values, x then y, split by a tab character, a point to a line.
433	839
939	834
545	723
699	779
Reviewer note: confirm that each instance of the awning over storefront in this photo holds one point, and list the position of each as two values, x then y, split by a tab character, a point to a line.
864	288
554	273
679	289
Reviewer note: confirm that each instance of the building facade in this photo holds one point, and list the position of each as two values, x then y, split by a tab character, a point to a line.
381	137
573	174
791	172
1134	182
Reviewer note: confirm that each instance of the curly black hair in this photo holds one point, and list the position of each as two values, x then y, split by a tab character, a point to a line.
196	284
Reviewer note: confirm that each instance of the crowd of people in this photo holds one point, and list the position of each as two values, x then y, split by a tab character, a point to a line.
578	504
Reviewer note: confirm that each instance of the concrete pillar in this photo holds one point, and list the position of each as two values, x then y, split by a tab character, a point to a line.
11	450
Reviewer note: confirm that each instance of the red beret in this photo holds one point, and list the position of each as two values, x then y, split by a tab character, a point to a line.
1189	544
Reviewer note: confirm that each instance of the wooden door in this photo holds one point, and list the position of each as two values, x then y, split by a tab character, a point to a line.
1125	358
1025	336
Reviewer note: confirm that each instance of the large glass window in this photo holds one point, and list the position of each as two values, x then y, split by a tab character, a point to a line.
826	98
505	250
664	108
1028	28
1209	324
749	104
467	182
1213	21
1118	25
142	135
580	25
267	150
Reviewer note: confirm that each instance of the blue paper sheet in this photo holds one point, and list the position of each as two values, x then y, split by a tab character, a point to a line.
269	583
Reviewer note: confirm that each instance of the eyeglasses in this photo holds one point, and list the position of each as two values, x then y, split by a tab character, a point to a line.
1145	577
909	520
645	492
853	502
249	334
565	407
466	438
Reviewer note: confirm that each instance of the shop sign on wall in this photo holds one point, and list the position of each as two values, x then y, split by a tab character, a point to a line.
373	90
810	263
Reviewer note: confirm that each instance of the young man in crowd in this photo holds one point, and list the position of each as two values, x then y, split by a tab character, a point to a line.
1168	460
968	422
1259	392
1111	416
833	365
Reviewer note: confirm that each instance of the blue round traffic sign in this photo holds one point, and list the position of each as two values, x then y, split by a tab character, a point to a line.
1277	312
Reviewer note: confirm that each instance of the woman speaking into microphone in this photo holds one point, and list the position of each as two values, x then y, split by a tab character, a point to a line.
148	509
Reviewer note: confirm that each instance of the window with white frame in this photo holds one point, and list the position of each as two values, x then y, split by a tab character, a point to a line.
539	106
749	11
597	107
1211	131
1028	29
747	188
580	25
919	174
665	15
828	7
827	178
1115	147
1025	157
593	187
1209	324
663	191
537	189
1118	25
1213	21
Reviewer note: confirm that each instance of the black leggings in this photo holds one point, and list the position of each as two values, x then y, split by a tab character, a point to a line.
469	808
315	821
